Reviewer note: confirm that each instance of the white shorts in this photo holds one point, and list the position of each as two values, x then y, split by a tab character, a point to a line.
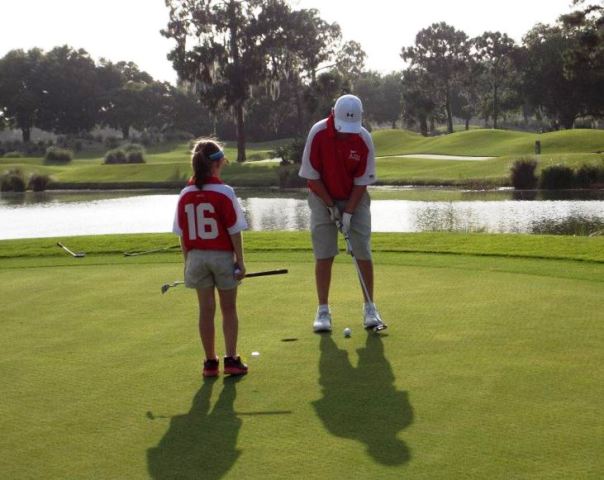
210	268
325	233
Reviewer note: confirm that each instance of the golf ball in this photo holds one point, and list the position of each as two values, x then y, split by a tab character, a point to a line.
347	332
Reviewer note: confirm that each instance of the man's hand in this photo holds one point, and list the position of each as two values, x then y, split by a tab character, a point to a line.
346	218
334	214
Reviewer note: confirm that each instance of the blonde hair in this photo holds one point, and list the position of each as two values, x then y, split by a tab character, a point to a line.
201	160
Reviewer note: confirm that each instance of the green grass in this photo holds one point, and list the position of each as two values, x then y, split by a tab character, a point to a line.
170	163
488	142
491	368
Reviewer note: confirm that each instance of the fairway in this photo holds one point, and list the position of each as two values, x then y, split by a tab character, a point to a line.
491	367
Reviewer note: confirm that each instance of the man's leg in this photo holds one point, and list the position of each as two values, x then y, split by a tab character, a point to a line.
366	268
323	279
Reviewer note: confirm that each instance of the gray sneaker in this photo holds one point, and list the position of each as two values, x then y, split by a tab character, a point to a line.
371	317
322	321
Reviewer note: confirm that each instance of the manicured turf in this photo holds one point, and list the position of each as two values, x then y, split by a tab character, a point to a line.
170	163
491	368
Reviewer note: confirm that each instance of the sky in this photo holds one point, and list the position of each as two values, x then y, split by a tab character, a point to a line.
129	29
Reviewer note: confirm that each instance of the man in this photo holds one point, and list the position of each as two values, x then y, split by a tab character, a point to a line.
339	163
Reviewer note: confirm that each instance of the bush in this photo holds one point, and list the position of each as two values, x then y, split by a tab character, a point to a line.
38	182
114	156
556	177
292	152
586	176
56	155
129	153
289	178
523	174
13	154
12	181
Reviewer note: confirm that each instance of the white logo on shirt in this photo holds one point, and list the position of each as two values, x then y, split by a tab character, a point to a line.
353	155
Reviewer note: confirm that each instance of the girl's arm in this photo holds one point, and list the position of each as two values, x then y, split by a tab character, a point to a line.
237	241
183	248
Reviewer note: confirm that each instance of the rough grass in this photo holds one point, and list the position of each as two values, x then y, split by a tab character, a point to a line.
491	367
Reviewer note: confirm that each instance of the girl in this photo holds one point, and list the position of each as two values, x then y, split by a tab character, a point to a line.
209	221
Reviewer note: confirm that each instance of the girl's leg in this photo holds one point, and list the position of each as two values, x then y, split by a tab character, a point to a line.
230	321
207	309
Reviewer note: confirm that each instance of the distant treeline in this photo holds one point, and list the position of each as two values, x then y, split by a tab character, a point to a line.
262	70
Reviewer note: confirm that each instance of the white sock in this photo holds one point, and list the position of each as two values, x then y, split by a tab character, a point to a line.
324	307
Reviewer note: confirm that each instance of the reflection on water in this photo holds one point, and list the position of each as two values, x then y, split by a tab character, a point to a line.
50	214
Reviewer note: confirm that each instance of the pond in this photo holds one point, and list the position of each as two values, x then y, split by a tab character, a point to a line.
56	214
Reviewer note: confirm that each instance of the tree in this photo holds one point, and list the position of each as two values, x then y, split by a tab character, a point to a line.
441	52
21	89
391	99
543	77
350	61
584	62
494	52
235	45
418	95
73	99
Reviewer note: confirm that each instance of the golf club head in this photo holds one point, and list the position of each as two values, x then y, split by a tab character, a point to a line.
164	288
380	327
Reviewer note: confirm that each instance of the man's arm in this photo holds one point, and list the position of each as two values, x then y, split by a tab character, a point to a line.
355	197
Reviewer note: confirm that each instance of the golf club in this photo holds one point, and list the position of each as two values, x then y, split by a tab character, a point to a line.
381	325
145	252
166	286
73	254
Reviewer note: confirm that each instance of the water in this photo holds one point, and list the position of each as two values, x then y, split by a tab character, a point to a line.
53	214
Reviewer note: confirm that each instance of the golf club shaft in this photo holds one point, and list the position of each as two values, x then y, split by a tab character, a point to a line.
145	252
281	271
73	254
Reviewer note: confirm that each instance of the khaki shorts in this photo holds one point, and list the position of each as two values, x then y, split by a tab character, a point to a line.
210	268
325	233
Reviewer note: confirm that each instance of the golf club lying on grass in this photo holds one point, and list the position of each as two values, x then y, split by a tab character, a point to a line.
381	325
155	250
167	286
73	254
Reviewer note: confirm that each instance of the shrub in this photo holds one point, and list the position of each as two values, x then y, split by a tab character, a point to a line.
134	153
556	177
586	176
116	155
13	154
571	225
289	178
129	153
38	182
12	181
58	155
523	174
291	152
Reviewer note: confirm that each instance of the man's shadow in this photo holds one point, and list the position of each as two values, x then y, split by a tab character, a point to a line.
362	403
200	444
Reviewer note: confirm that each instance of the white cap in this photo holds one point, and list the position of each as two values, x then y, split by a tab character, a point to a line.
348	114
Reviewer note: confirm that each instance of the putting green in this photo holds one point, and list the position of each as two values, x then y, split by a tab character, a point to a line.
491	368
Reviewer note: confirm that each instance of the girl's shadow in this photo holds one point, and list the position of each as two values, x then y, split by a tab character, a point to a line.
362	403
200	443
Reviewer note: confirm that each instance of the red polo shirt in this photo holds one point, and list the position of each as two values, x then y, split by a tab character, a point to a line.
205	218
339	161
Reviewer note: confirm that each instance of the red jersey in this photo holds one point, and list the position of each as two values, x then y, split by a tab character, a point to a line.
340	162
205	218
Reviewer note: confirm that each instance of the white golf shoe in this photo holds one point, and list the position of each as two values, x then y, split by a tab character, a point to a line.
322	321
371	317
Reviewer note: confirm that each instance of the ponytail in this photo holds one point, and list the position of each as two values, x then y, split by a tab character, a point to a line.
204	154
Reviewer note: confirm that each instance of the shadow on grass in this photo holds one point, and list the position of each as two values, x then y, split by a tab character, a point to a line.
362	403
201	443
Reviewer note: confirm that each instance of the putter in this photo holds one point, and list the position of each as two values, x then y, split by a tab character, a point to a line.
145	252
166	286
73	254
381	325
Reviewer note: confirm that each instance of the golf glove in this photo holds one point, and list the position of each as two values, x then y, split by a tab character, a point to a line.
346	218
334	214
